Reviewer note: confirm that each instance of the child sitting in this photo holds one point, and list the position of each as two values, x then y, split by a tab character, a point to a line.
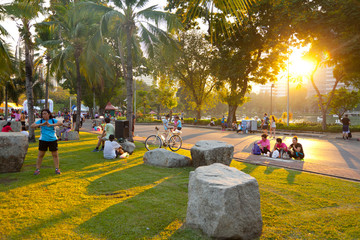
66	129
264	144
280	147
113	149
177	123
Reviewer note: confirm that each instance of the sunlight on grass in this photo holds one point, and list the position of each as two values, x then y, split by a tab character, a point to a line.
169	230
95	198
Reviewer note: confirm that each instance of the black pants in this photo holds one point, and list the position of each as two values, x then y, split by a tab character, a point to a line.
265	150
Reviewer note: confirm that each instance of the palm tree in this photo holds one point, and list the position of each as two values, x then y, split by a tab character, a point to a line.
134	23
25	12
75	31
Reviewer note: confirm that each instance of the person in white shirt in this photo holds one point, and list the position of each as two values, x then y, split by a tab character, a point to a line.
112	149
23	131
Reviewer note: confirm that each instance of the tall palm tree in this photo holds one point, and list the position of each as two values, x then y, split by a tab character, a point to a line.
75	30
25	12
134	23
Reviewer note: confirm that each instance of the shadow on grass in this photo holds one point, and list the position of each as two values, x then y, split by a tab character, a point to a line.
153	199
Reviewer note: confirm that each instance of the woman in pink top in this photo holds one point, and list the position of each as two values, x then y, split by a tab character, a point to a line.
264	144
280	146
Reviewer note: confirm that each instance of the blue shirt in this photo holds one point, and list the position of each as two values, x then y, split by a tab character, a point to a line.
47	133
166	124
179	124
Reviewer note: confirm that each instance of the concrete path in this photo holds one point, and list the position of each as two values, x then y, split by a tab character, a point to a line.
325	154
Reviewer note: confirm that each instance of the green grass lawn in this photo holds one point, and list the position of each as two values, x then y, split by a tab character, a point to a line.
95	198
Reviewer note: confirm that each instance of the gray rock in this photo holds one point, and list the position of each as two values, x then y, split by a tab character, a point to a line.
14	146
224	203
72	135
207	152
128	147
164	158
16	126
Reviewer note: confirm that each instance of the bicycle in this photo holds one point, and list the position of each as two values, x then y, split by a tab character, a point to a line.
173	141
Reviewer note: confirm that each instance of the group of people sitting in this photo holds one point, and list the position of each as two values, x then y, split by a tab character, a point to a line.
281	150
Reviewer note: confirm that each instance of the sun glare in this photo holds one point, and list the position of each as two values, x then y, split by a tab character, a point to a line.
298	65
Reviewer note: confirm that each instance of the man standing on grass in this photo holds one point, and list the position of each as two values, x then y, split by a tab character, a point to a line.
346	122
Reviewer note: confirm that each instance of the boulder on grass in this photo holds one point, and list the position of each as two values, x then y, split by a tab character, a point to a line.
13	147
164	158
207	152
224	203
128	147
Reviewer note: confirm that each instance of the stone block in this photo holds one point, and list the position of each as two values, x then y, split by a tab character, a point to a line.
163	158
207	152
128	147
14	146
224	203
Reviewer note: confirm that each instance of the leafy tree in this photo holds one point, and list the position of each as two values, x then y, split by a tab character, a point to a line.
25	12
133	23
344	101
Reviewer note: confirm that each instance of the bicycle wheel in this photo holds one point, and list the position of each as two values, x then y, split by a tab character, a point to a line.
152	142
175	143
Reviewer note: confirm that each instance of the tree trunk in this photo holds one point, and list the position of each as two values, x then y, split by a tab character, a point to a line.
231	115
6	102
198	114
158	112
29	83
94	104
47	81
78	90
129	82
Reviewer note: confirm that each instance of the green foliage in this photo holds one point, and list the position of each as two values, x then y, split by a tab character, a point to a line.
344	101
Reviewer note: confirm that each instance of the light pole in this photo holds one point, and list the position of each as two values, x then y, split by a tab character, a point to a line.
272	85
288	89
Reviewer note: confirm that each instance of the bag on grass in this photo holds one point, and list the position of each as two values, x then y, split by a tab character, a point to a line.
275	154
256	149
285	155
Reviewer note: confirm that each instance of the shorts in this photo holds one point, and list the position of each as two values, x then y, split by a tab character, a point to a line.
346	129
44	145
265	127
179	128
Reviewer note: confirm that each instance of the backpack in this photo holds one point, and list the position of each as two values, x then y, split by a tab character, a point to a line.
256	149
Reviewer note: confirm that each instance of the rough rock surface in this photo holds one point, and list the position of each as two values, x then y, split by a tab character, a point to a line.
128	147
164	158
207	152
14	146
224	203
16	126
72	135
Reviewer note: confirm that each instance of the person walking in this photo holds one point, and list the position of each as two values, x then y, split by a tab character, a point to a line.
265	124
47	140
346	123
272	127
22	118
182	115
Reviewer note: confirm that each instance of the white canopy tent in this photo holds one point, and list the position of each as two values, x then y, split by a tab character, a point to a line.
51	104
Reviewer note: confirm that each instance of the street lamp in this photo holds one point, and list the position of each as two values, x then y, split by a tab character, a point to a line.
272	85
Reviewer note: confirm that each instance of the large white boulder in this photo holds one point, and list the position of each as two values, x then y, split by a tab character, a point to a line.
207	152
14	146
224	203
128	147
164	158
15	125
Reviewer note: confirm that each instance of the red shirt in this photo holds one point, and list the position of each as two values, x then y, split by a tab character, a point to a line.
6	129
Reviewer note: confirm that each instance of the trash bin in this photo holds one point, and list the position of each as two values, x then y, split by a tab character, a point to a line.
121	129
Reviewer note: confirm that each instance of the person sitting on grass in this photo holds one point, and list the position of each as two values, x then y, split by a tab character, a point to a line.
264	144
177	123
23	131
280	146
7	127
296	150
67	128
108	130
112	149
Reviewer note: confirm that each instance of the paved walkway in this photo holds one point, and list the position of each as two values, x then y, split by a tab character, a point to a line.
343	173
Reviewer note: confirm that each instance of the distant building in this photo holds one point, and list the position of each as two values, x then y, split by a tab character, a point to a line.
324	80
279	90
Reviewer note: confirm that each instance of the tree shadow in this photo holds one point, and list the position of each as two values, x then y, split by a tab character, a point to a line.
350	159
